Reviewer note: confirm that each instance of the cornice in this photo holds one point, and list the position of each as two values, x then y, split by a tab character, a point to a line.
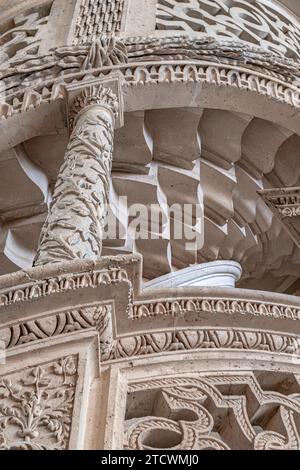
285	204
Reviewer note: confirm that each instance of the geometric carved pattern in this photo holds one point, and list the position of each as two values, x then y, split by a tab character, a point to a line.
36	406
98	17
259	22
230	411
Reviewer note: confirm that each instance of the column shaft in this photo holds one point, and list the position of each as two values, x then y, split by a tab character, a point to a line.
75	223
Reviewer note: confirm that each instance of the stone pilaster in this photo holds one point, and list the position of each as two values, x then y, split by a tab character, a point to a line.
75	223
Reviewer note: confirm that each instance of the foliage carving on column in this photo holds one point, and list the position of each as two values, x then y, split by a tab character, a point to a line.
75	224
36	406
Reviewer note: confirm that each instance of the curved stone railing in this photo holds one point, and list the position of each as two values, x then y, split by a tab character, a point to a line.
186	340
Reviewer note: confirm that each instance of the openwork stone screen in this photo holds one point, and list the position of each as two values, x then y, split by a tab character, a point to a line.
243	411
260	22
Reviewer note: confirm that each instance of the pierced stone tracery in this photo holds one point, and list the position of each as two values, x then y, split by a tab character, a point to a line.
220	412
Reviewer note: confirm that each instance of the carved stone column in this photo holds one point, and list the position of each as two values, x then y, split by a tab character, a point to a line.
75	223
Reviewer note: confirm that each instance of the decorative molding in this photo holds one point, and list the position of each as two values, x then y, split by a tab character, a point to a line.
285	204
163	73
105	51
285	200
53	325
260	22
75	224
197	48
165	60
100	318
21	40
210	411
37	405
98	17
182	306
288	211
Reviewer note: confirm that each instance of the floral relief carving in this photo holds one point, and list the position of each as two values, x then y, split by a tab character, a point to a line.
36	406
220	412
95	95
259	22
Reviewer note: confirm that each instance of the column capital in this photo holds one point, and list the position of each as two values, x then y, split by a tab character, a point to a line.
104	91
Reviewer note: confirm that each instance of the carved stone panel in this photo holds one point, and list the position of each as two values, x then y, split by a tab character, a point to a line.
257	411
36	406
98	17
75	224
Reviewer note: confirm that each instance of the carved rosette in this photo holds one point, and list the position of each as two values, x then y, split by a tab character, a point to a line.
75	224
